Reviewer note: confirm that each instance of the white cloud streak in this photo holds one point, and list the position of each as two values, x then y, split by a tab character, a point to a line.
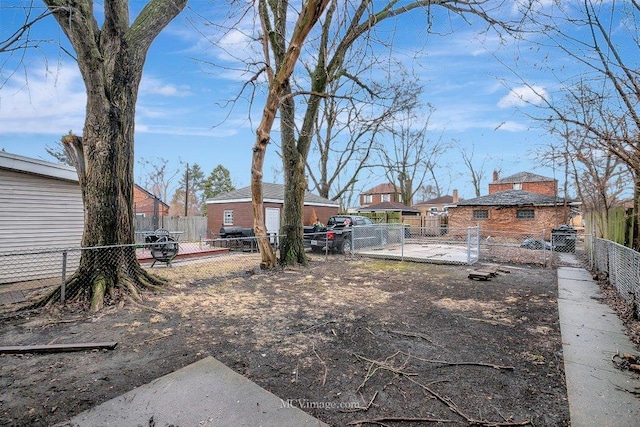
524	95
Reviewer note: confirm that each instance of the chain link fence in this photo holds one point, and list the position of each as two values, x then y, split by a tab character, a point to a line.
620	265
443	245
29	276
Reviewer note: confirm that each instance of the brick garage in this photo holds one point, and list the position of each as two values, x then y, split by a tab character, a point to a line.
511	211
236	207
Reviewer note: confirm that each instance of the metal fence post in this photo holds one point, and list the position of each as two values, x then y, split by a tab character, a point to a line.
544	248
402	236
64	276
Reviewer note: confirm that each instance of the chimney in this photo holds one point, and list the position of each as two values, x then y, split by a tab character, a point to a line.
495	175
455	196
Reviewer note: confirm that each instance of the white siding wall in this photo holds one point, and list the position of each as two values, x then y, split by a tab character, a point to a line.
37	212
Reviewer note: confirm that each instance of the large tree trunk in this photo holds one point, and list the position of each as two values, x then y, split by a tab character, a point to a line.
292	250
278	87
110	61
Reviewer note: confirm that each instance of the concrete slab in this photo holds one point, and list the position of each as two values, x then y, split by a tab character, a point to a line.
417	252
206	393
599	394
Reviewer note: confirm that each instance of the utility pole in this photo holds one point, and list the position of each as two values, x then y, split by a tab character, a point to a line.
186	192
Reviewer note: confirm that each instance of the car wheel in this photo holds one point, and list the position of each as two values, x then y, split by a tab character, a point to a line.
345	248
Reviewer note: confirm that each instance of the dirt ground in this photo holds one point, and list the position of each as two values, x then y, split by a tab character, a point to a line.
374	342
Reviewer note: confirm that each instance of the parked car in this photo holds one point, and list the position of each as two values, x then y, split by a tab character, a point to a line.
531	243
338	235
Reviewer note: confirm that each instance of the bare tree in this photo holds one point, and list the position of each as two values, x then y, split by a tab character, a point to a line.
601	103
345	28
273	18
346	131
476	169
157	176
409	156
110	58
333	48
599	177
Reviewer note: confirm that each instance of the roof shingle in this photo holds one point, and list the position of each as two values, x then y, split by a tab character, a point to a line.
271	192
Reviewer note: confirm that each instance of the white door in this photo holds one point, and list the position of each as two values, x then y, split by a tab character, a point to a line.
272	220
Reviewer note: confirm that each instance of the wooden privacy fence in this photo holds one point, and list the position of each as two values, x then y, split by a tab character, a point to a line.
188	229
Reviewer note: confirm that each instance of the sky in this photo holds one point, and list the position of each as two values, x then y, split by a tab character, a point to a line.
184	113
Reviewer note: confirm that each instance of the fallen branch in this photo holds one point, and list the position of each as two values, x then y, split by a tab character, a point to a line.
324	377
396	419
147	341
312	327
374	365
444	362
452	406
57	348
413	334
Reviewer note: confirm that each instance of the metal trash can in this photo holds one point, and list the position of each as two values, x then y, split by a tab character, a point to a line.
563	238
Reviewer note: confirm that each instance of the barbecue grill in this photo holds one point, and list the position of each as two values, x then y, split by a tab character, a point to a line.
163	247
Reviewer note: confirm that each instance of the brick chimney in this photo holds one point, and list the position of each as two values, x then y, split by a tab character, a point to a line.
455	196
495	175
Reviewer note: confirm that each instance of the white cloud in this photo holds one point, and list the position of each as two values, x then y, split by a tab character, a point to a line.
524	95
44	101
155	86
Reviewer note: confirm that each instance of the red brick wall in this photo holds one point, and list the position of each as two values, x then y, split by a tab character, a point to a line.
377	198
542	187
243	214
504	219
143	203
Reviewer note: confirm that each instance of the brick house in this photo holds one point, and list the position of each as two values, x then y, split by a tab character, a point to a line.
379	194
525	181
511	211
146	204
235	209
437	206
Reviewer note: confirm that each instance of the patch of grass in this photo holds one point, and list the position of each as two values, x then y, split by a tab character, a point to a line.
390	265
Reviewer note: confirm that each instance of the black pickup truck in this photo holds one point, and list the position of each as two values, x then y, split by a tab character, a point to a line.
338	235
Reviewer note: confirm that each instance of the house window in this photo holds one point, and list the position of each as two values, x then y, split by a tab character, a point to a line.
368	198
517	186
227	218
386	198
525	214
481	214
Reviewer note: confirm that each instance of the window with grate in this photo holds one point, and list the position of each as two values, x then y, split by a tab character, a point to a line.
481	214
525	214
228	217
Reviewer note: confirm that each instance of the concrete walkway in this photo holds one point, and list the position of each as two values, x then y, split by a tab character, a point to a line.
600	395
205	393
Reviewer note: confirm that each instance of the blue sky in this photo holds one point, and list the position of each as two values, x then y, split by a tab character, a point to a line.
181	112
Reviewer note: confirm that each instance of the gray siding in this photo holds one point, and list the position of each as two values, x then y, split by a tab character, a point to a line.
37	212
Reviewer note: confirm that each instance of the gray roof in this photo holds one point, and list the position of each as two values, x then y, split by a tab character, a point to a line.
513	198
522	177
38	167
270	193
